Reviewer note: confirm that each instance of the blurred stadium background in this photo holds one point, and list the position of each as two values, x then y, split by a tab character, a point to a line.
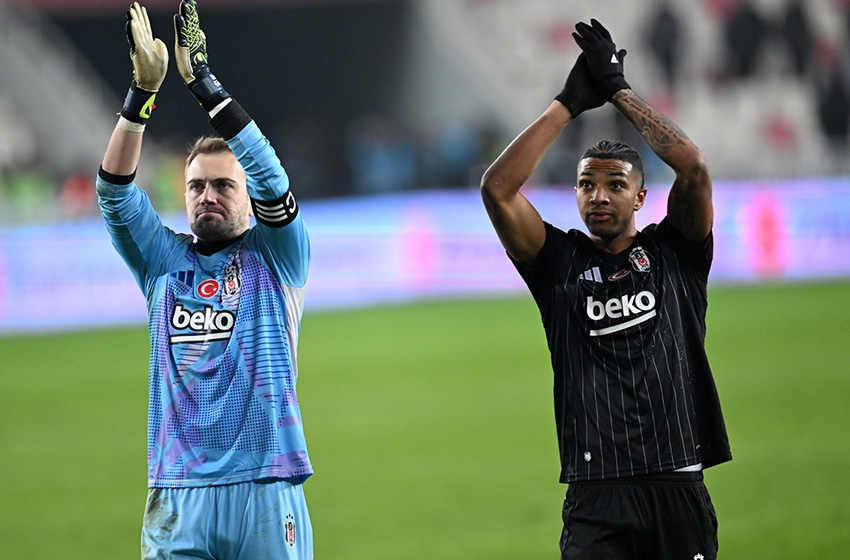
385	113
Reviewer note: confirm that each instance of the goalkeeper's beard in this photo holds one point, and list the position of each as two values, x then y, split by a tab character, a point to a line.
217	225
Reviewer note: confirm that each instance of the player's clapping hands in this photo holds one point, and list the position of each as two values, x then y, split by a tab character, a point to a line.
579	93
603	58
190	46
190	52
149	55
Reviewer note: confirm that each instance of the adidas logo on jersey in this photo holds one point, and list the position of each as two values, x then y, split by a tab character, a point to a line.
592	274
640	307
205	324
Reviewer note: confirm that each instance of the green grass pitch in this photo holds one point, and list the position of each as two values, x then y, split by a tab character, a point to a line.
431	429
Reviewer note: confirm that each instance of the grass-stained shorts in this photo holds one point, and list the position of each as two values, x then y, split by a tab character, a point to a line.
261	520
665	516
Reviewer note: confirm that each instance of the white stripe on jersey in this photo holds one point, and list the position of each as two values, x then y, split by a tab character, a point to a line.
623	326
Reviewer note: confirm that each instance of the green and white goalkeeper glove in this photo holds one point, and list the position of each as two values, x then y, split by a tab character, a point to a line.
190	51
150	62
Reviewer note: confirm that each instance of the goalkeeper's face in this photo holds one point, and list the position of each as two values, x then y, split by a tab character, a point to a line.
217	200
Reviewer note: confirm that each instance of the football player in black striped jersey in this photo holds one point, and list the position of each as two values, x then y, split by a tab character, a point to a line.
637	412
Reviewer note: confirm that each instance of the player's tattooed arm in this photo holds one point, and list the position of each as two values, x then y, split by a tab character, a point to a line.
689	207
680	212
659	132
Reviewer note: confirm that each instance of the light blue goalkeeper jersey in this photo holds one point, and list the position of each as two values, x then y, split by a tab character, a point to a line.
223	332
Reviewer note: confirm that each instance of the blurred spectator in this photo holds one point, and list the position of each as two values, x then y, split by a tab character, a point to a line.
18	146
382	158
167	186
665	41
28	196
312	156
458	150
78	196
720	9
796	32
559	34
843	47
780	132
491	143
745	32
833	108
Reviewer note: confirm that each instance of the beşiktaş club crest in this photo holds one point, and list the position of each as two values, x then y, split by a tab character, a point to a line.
639	259
232	283
290	529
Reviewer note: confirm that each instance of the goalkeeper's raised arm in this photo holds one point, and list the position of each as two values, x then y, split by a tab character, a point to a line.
282	237
267	182
149	57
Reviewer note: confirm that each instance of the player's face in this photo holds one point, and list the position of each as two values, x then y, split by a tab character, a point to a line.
217	200
608	195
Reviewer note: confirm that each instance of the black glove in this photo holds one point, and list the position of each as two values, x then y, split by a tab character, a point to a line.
579	93
606	63
190	50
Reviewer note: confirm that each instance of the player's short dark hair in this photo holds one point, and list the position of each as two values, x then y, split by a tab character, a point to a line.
613	149
206	145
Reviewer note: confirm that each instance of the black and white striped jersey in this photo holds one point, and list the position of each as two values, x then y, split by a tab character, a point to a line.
633	390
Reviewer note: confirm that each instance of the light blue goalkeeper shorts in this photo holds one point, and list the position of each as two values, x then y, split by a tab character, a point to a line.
265	520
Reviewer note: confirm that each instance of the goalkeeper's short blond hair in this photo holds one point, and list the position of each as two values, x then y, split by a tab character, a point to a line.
206	145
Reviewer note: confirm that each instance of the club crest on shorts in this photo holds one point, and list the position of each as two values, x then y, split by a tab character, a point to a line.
639	259
289	526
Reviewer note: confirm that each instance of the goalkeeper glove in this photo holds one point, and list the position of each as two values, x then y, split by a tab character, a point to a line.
190	50
579	94
603	58
150	61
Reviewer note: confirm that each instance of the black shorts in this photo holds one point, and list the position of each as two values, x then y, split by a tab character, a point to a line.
653	517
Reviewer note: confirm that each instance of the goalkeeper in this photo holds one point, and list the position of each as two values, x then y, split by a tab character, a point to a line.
636	409
227	457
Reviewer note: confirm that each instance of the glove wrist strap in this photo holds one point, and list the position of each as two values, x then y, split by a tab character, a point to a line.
139	104
208	91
